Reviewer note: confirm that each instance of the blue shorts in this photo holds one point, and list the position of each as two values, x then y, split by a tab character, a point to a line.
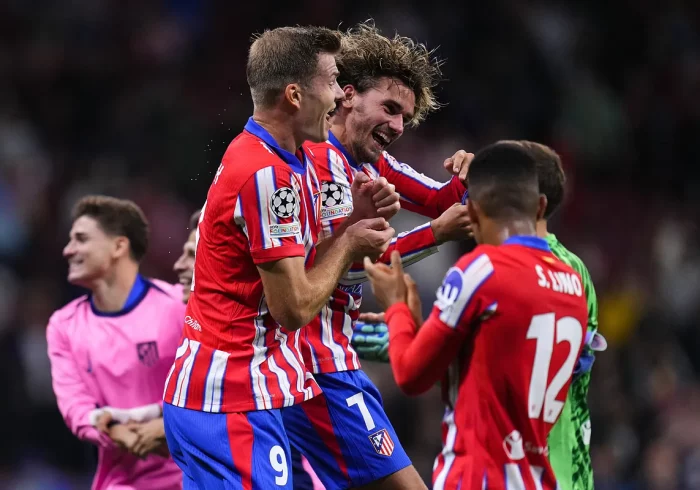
344	433
243	450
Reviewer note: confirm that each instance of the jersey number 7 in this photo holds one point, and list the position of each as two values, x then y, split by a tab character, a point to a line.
543	329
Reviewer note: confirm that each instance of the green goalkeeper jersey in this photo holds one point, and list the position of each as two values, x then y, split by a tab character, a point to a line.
570	437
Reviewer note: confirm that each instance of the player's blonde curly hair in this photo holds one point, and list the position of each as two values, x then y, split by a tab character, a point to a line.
366	56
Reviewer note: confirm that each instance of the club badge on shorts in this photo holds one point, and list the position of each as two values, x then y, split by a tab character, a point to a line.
382	442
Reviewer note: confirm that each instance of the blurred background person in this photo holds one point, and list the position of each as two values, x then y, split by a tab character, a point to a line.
110	350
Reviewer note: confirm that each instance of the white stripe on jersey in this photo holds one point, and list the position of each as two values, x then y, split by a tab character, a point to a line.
473	277
447	453
178	354
514	479
183	380
328	341
347	331
262	395
238	216
265	186
293	361
214	382
337	168
283	380
537	472
413	174
308	393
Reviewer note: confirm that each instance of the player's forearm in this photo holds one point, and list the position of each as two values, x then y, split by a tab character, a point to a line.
413	245
433	202
418	358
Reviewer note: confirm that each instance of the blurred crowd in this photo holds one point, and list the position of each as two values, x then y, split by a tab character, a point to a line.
139	99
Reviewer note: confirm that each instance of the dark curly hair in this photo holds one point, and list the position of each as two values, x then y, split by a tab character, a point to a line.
366	56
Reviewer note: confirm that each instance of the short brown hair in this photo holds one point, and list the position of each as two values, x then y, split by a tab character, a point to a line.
366	56
286	55
117	217
550	174
194	220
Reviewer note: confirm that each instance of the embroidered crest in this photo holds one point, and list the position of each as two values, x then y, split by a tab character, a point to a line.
382	442
148	353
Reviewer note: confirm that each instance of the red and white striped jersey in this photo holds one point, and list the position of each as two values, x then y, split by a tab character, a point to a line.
328	336
504	335
234	356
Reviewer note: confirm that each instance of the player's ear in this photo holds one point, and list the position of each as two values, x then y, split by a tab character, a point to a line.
541	207
121	246
473	210
350	93
292	94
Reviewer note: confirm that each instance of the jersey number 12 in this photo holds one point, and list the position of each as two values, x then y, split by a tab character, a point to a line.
544	328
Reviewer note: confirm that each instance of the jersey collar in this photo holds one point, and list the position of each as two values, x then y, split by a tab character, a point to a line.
297	162
335	142
136	295
528	241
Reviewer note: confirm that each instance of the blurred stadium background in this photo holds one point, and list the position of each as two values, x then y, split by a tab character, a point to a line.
139	99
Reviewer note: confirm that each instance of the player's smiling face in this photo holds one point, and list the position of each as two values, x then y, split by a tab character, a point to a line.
89	252
320	98
184	267
378	117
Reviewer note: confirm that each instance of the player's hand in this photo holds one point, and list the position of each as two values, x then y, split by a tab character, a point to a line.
372	198
369	237
371	341
150	437
453	224
413	300
103	422
123	437
385	197
369	317
458	164
388	284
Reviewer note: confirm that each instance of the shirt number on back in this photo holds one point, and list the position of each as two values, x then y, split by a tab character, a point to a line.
543	329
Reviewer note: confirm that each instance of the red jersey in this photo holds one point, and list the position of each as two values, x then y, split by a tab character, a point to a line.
328	336
234	356
504	334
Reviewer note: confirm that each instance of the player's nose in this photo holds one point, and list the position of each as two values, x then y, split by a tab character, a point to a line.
68	250
396	124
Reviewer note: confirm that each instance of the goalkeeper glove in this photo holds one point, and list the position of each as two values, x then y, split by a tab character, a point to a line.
371	341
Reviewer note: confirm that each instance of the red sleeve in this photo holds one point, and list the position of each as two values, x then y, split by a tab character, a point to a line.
413	245
269	212
419	193
420	359
333	174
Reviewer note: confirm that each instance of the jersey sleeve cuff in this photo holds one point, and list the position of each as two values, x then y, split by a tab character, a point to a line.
263	255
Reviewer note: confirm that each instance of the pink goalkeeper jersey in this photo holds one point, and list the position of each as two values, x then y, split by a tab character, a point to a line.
119	360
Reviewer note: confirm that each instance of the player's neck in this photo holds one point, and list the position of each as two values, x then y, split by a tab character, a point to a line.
496	233
542	230
109	294
280	127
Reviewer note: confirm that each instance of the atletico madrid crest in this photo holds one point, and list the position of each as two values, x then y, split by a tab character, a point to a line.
148	353
382	442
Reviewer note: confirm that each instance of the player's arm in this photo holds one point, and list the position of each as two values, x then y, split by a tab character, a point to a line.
293	294
419	193
420	356
75	402
420	242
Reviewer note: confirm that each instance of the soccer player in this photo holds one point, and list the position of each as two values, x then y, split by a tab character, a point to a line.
258	277
113	347
504	334
569	440
388	84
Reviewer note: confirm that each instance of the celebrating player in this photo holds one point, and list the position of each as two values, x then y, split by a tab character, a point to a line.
239	362
388	84
504	334
113	347
570	437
